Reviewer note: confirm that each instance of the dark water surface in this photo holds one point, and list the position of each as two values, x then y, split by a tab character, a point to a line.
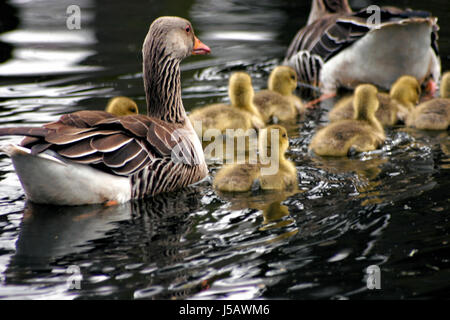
388	208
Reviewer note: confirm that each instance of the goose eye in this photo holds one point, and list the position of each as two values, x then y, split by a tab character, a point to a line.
188	29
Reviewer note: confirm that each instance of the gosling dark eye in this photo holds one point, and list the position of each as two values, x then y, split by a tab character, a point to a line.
188	29
293	77
284	136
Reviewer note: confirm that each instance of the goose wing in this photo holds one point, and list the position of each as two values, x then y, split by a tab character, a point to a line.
118	145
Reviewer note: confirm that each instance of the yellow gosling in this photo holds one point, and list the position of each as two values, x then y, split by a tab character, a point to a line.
278	102
361	134
393	107
433	114
273	171
122	106
241	114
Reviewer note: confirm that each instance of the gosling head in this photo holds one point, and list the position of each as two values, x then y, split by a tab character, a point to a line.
240	90
283	79
174	37
365	102
406	90
274	138
445	86
122	106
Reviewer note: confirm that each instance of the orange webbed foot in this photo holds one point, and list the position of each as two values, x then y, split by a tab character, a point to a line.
323	97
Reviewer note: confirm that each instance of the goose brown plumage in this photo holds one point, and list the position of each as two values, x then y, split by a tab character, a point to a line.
433	114
361	134
95	157
319	9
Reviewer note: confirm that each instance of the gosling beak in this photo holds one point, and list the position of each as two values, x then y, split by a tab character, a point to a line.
200	47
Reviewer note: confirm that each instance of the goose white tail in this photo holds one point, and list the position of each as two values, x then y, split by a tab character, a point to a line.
49	180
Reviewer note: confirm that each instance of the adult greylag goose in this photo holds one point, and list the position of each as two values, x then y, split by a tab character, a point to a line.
433	114
272	172
394	107
241	114
361	134
344	49
278	101
122	106
91	157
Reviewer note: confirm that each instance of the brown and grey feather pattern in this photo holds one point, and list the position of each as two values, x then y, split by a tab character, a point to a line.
135	146
320	8
321	40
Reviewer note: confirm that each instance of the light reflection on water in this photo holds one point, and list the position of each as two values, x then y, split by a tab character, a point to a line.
43	48
388	207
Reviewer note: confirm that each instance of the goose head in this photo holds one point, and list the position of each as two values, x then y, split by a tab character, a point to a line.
122	106
173	37
168	41
406	90
283	79
365	103
445	86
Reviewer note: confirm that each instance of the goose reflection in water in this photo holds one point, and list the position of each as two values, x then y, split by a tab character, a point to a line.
276	216
433	139
54	236
51	232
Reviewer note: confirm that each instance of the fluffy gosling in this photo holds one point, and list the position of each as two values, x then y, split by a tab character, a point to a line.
278	102
361	134
241	114
433	114
394	107
122	106
272	172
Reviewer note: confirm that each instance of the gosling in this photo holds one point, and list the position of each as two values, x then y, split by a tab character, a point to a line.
394	107
278	103
361	134
122	106
244	177
433	114
241	114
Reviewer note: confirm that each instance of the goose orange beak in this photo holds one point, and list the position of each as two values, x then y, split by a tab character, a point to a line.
200	47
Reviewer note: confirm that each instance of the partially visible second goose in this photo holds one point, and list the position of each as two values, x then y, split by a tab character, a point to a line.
241	114
433	114
122	106
91	157
279	102
340	48
394	107
361	134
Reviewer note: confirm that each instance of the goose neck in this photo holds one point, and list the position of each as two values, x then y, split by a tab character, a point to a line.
162	82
